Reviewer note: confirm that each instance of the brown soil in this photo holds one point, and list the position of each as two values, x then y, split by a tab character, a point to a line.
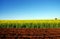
24	33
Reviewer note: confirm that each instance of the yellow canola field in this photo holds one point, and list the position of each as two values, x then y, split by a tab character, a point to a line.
29	21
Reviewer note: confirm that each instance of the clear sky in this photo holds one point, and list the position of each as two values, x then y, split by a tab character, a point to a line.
29	9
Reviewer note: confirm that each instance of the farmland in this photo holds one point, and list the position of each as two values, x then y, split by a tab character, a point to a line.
29	23
24	33
29	29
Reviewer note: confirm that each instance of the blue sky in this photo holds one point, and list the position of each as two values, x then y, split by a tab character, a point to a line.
29	9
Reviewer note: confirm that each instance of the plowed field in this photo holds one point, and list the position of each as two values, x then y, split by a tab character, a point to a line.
26	33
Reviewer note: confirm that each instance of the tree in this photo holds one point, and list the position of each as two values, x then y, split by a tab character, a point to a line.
55	18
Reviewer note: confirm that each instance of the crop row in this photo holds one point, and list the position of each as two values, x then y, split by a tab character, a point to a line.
29	25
